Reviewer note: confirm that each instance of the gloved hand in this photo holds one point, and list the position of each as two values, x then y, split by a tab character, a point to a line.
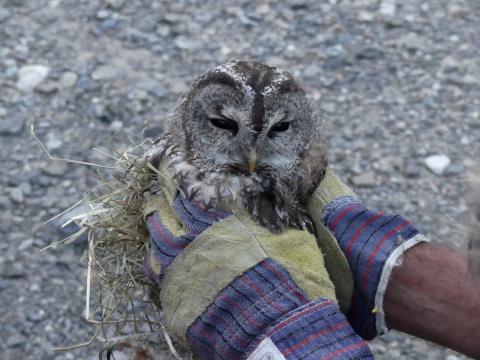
373	242
231	289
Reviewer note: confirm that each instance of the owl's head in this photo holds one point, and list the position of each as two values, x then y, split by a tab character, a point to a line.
247	117
248	129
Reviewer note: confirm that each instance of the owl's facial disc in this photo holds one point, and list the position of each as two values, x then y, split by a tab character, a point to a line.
247	118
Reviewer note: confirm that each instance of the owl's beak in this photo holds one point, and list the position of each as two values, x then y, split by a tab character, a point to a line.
252	162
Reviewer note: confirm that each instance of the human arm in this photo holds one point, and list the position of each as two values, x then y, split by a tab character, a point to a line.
430	295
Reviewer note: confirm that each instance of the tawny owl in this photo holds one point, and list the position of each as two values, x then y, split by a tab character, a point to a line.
246	136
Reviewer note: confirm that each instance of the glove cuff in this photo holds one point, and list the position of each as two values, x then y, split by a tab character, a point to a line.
313	331
373	243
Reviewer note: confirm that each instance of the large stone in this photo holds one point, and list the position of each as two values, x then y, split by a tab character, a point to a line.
437	163
30	76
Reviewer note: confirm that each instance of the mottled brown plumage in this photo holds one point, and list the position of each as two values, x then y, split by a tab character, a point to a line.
245	136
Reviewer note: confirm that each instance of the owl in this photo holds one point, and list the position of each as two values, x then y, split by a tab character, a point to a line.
245	136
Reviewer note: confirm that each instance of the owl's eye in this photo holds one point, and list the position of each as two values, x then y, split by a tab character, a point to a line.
279	127
225	124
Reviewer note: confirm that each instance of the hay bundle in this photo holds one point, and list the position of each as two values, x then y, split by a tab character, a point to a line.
121	302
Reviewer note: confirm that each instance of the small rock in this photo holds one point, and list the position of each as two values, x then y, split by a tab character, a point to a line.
4	14
30	76
437	163
16	195
26	188
457	10
364	180
154	88
12	124
47	87
388	8
53	142
336	57
36	316
68	79
3	285
115	4
116	125
3	112
186	43
16	340
410	169
105	72
148	23
110	24
454	169
370	53
365	16
103	14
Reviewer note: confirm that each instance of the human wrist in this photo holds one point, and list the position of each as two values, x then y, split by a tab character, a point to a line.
432	285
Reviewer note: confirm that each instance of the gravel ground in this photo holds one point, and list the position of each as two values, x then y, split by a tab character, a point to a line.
397	81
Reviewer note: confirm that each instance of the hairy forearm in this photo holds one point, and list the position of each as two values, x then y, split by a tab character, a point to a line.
431	296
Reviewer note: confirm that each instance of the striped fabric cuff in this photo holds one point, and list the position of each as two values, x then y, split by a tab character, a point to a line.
164	245
243	310
317	330
368	239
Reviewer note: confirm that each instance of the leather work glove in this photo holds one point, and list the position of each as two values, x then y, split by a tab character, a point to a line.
230	289
373	243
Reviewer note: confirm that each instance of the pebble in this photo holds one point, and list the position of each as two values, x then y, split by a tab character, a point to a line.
54	168
16	195
68	79
4	14
30	76
388	8
186	43
115	4
47	87
12	124
437	163
3	112
53	142
16	340
364	180
106	72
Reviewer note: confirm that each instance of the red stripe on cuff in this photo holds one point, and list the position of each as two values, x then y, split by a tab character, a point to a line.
359	232
340	216
314	336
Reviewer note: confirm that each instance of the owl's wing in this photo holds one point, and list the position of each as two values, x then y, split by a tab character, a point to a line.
312	167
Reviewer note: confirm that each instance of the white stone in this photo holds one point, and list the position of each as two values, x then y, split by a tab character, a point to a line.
438	163
68	79
388	8
30	76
